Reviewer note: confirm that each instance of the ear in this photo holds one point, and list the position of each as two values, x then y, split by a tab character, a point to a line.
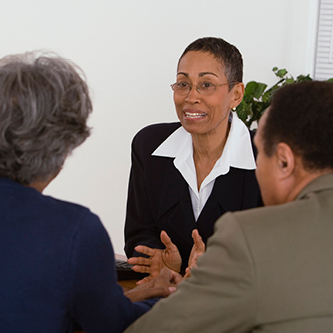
238	93
285	159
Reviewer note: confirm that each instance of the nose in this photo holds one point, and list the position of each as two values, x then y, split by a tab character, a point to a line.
193	95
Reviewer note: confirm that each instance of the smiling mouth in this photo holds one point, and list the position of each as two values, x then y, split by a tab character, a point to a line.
195	115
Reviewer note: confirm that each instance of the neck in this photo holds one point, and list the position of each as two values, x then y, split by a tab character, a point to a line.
207	149
40	185
210	146
304	179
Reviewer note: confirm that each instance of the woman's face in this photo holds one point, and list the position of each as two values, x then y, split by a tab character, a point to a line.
198	113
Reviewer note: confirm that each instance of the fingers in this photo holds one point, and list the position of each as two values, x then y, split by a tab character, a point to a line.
141	269
197	239
145	280
143	292
139	261
145	250
187	273
167	277
166	240
193	263
141	265
160	291
175	277
164	279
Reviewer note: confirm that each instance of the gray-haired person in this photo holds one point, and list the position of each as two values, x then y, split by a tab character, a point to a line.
57	262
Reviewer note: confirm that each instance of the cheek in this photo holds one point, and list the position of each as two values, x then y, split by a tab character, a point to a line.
178	105
177	100
221	101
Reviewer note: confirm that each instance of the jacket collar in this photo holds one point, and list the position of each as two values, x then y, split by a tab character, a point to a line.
321	183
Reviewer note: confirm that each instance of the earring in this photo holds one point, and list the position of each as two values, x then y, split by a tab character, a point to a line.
233	109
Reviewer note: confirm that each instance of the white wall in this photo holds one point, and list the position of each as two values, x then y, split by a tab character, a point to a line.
129	50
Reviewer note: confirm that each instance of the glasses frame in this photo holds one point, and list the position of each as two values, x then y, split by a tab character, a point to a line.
198	90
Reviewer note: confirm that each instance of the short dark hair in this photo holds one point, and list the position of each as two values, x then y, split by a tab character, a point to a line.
301	115
226	53
44	106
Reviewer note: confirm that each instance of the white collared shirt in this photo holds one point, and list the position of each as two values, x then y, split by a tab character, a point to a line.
237	153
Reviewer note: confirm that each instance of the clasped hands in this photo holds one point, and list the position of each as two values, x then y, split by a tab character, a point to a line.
168	257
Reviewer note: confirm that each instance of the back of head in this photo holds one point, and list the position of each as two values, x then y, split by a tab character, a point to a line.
301	115
226	53
44	106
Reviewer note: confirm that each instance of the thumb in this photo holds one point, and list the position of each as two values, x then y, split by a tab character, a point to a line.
164	279
197	239
166	240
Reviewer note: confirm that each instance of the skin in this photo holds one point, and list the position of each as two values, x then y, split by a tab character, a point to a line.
205	117
170	257
197	251
41	185
162	286
282	176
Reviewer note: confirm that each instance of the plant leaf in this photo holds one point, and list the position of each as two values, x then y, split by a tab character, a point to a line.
290	80
301	78
249	91
254	90
281	73
259	90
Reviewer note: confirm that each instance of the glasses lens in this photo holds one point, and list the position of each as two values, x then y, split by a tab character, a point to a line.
206	88
181	87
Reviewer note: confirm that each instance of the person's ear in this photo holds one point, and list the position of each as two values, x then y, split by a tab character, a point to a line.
238	93
285	159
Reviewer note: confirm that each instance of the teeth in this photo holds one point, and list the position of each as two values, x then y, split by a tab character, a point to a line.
194	115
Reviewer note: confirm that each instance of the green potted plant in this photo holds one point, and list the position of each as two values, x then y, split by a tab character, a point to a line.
257	97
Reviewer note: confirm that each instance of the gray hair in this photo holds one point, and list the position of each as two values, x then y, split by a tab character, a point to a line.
44	106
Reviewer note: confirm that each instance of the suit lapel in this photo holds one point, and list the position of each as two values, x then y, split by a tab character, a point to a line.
176	207
227	195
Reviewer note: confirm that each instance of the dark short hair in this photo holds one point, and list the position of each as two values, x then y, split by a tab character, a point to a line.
226	53
301	115
44	106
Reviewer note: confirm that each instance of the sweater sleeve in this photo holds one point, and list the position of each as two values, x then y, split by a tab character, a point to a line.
98	303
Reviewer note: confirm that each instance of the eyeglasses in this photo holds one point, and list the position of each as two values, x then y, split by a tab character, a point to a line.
204	88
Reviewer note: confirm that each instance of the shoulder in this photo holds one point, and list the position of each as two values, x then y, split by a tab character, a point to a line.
66	213
150	137
270	223
157	131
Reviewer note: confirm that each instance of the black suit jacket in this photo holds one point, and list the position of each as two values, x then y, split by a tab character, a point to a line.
159	198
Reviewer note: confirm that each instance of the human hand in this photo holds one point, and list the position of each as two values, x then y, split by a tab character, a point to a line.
162	286
198	250
169	257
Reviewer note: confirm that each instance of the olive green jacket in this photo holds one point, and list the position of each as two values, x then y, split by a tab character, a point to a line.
267	269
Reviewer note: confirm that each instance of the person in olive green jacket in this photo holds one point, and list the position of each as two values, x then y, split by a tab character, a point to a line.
269	269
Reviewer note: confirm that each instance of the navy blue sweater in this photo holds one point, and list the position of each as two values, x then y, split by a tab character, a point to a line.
57	267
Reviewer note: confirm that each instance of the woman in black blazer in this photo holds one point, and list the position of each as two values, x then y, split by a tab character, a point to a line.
185	175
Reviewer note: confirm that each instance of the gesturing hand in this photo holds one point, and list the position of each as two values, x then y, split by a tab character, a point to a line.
162	286
169	257
198	250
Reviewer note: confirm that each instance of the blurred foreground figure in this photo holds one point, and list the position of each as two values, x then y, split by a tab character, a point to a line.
269	269
57	263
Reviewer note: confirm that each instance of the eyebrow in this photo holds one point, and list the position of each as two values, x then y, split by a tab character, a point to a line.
200	74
